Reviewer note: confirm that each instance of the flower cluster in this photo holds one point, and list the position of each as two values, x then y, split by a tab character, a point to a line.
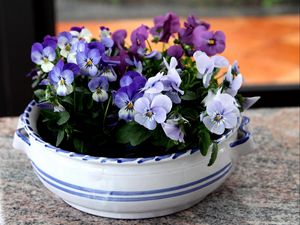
107	93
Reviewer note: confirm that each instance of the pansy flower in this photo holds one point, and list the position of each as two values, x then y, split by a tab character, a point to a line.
221	113
232	82
81	33
175	51
105	36
88	61
173	130
165	26
62	78
138	38
208	41
152	110
99	87
43	56
186	34
109	73
124	98
119	38
172	81
205	65
65	42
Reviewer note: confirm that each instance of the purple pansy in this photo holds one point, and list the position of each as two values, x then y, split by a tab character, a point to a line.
81	33
43	56
105	36
186	34
205	65
173	130
232	82
50	41
76	47
208	41
130	83
165	26
221	114
88	61
119	38
175	51
138	38
99	87
64	42
150	111
62	78
130	91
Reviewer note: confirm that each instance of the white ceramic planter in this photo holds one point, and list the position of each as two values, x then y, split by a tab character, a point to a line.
129	188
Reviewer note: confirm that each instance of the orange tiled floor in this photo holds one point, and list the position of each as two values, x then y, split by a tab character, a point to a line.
267	48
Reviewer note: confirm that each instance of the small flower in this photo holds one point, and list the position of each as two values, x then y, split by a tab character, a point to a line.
132	77
43	56
76	47
88	61
208	41
175	51
186	34
119	38
150	111
50	41
221	114
99	87
232	82
62	79
138	38
172	81
105	36
124	99
154	85
165	26
172	129
65	42
81	33
109	73
205	65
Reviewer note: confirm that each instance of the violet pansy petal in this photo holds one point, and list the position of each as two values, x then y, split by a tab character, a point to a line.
121	99
68	76
160	114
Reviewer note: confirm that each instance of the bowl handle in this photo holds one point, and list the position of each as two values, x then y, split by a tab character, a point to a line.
21	138
244	144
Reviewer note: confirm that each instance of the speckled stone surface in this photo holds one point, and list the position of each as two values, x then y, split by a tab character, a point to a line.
264	188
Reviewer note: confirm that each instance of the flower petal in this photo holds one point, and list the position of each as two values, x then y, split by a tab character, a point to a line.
47	67
160	114
142	104
162	101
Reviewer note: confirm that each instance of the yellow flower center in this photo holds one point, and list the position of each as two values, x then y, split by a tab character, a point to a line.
68	47
218	117
89	62
130	105
62	81
46	60
211	42
98	90
149	114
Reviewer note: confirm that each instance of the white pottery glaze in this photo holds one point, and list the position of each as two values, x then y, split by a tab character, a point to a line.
129	188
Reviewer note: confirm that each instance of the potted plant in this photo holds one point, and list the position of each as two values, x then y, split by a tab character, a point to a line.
127	131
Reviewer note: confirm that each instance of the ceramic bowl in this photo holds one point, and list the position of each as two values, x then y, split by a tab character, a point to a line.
129	188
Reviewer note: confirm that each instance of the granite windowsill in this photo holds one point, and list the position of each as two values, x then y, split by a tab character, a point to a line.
264	188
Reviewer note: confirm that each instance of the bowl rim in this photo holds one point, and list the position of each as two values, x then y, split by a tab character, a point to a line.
26	120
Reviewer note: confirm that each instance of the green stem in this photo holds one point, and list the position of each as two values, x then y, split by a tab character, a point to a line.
106	110
150	48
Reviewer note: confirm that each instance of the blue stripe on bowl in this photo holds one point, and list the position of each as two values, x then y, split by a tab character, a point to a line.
119	193
132	199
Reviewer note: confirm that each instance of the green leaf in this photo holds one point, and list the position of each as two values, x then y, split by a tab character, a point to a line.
214	154
132	133
189	95
204	142
64	117
40	94
60	137
67	99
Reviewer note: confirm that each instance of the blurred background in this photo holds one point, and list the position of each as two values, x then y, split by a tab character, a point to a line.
263	35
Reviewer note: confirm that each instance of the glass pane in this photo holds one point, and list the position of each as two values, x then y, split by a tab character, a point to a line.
263	35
